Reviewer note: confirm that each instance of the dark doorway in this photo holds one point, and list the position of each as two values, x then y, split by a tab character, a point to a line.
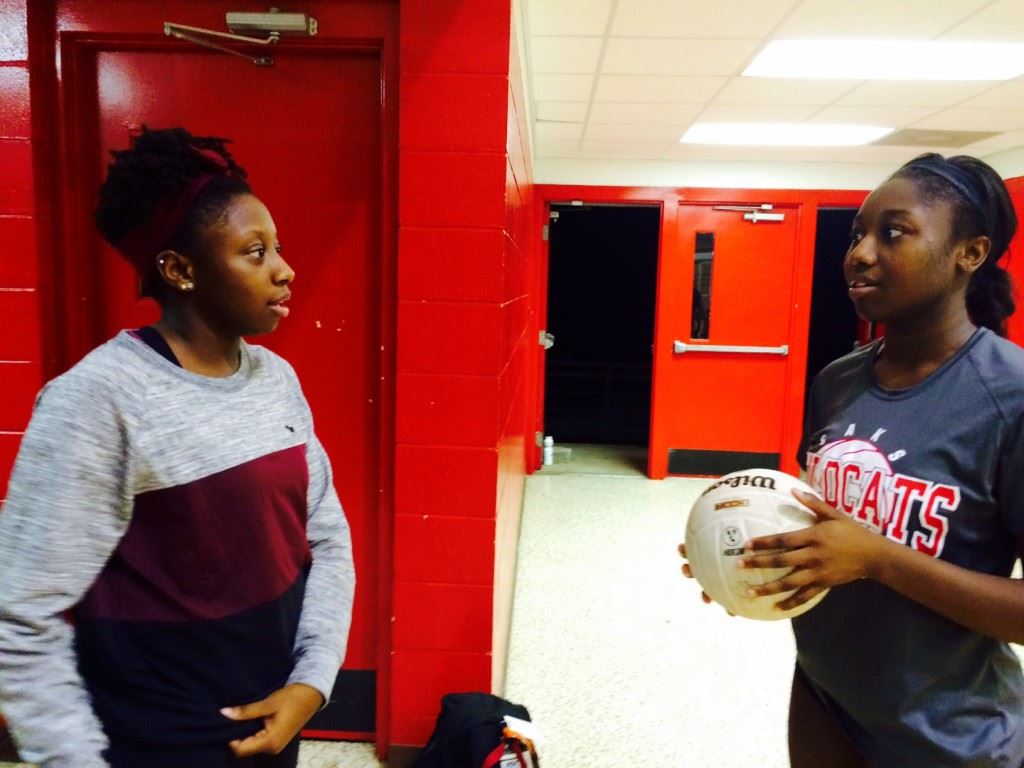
833	330
602	274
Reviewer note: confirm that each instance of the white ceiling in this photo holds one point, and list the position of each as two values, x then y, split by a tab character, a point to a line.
613	84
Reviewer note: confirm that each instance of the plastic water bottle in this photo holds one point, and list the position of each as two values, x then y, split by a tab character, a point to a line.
549	450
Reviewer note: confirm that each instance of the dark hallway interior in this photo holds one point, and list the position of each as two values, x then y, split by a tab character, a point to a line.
833	328
602	276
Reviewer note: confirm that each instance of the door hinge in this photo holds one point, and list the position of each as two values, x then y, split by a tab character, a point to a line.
544	231
538	439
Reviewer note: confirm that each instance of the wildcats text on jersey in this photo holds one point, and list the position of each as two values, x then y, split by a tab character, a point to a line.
856	477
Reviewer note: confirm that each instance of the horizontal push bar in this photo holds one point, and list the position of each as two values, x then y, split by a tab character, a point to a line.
679	347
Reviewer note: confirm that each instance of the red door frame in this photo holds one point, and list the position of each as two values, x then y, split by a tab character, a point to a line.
807	203
65	279
544	196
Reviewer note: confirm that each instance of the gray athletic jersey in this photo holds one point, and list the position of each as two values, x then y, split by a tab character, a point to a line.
938	467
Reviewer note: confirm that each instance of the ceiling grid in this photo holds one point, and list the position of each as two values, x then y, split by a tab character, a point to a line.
621	81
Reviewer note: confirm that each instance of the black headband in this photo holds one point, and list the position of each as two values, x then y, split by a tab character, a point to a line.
962	180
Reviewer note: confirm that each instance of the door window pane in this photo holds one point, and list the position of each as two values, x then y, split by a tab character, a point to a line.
703	257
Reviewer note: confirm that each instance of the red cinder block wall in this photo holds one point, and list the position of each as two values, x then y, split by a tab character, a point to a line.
463	311
519	343
20	343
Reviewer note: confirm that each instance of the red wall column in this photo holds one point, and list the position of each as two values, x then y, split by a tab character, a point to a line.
452	355
20	346
518	358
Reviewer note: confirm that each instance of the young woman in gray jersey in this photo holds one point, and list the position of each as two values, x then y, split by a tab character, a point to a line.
176	576
916	444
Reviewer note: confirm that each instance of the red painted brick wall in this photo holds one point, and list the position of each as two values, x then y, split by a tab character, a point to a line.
20	346
518	353
463	182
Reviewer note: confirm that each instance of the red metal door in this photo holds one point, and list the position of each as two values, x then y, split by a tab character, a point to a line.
725	313
309	130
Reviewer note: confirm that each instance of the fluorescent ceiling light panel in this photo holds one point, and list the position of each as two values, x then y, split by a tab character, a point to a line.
888	60
783	134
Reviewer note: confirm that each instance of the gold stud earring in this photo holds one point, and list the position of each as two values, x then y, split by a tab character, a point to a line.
187	285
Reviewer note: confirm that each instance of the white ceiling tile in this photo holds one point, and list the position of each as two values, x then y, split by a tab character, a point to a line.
756	113
652	89
768	90
891	117
679	115
668	63
633	132
641	150
905	19
1002	21
567	17
558	131
561	111
974	120
698	18
687	57
565	55
1002	95
556	148
562	87
906	94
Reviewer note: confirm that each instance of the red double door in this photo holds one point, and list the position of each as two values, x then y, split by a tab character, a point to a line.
730	339
312	131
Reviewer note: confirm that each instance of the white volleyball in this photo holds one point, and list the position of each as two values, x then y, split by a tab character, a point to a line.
732	510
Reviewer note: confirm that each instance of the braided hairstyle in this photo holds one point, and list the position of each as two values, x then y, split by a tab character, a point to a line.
981	207
159	164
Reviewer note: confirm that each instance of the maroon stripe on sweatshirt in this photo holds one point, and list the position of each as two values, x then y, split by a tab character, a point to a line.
211	548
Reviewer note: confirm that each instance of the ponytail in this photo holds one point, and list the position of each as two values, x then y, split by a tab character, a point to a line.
990	297
981	208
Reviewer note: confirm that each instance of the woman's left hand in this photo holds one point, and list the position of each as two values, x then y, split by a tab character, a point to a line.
284	712
835	550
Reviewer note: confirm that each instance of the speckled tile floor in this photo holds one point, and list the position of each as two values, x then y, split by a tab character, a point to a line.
612	651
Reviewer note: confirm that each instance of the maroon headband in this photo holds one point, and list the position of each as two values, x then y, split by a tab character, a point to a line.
143	242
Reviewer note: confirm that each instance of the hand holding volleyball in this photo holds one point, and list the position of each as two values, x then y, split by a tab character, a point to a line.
733	510
835	550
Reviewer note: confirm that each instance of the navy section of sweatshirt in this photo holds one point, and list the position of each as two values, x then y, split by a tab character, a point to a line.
179	624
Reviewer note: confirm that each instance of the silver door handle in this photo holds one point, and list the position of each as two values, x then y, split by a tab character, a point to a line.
679	347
